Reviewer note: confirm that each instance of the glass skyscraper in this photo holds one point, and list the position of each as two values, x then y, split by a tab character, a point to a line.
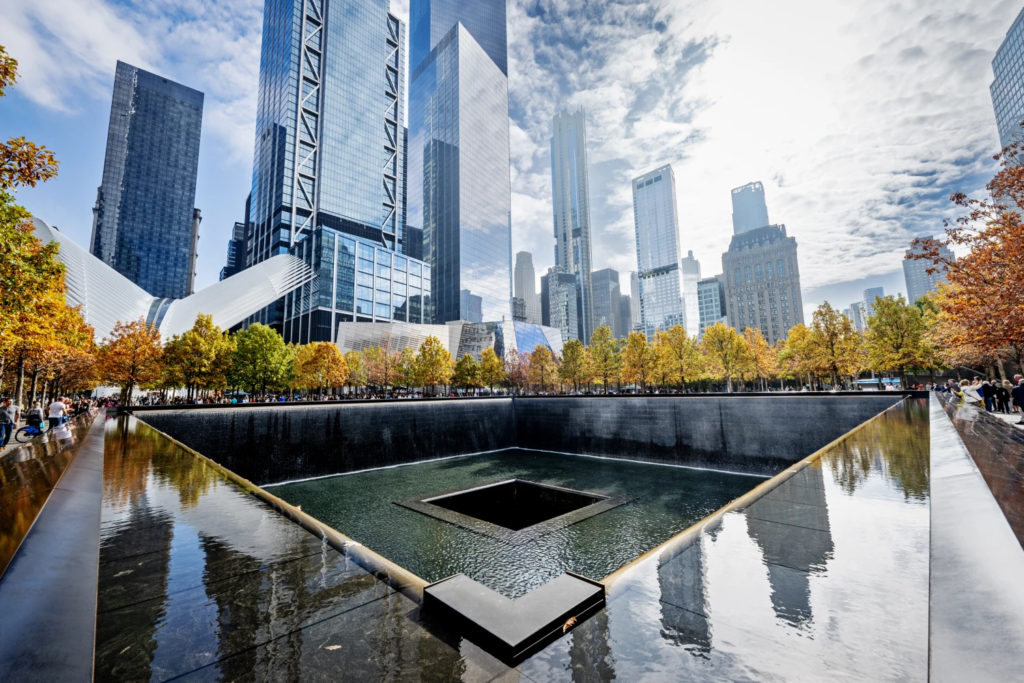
145	224
749	209
329	152
571	205
1007	87
919	280
657	250
607	309
459	189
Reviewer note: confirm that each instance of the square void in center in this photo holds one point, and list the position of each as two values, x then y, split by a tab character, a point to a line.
515	504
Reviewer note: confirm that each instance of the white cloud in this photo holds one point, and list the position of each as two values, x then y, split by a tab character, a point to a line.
67	50
860	118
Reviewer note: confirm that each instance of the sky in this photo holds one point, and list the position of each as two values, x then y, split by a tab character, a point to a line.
859	116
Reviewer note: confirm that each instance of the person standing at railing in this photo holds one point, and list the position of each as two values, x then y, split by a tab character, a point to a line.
1018	398
57	411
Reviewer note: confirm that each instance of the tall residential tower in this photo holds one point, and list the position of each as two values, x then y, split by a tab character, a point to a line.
526	286
459	188
571	205
145	224
657	250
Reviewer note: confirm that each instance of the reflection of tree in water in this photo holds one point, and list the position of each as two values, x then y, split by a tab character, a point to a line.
896	446
136	450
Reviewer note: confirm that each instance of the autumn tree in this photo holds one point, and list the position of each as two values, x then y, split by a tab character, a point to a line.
605	361
573	368
200	358
467	373
680	354
434	363
543	367
320	367
260	359
834	346
492	368
727	353
638	360
517	369
383	365
764	362
357	374
984	295
797	357
406	376
895	337
131	356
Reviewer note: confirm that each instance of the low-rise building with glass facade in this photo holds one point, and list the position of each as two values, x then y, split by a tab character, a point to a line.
711	300
357	280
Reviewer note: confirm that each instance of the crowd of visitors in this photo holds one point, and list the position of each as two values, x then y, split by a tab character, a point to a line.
55	413
995	396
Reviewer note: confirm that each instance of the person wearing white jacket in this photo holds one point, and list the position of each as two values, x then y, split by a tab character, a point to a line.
970	392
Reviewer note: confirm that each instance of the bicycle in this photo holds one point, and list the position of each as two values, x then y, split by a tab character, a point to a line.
29	432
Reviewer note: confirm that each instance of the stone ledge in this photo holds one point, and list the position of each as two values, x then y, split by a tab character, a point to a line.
513	629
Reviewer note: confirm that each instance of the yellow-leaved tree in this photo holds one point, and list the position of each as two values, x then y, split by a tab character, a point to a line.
727	353
434	363
131	356
320	367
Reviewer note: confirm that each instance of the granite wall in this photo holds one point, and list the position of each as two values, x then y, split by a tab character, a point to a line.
273	443
762	434
268	444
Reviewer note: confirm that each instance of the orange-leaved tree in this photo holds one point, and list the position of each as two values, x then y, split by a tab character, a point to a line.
131	356
984	293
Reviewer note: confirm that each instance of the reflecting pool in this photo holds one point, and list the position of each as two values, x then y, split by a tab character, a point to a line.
664	501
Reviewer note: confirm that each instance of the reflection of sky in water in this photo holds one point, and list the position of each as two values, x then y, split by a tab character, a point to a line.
185	569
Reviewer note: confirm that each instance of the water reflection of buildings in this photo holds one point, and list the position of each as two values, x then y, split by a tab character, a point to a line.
796	548
683	612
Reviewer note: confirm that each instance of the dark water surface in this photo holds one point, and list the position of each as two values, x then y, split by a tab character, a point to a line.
668	500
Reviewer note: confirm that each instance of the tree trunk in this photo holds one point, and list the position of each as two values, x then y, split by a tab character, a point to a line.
18	391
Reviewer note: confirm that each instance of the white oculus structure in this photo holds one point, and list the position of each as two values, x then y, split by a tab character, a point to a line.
107	297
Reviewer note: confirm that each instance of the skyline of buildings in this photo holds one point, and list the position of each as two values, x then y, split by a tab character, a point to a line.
570	204
312	63
145	223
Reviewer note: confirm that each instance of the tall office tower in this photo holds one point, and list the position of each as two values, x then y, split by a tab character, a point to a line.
711	298
328	164
571	205
545	298
749	210
690	269
145	224
607	308
625	316
562	309
919	281
854	315
867	306
762	282
459	187
526	286
634	303
1006	91
236	252
657	250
